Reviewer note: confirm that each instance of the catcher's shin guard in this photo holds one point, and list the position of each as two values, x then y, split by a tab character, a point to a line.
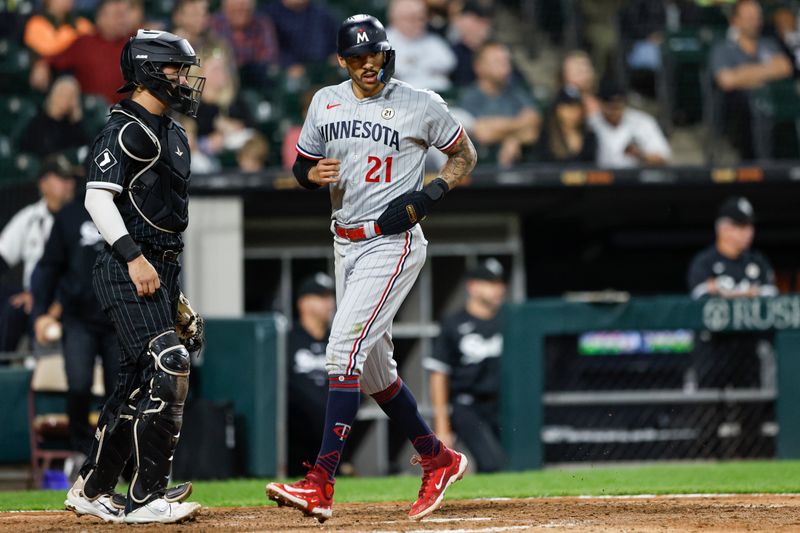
112	444
158	419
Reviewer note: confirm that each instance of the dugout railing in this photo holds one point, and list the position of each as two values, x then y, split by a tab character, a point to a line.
650	379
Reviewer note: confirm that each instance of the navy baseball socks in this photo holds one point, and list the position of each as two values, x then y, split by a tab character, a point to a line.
400	406
441	466
314	494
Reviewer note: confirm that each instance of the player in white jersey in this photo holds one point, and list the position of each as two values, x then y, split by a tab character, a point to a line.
367	139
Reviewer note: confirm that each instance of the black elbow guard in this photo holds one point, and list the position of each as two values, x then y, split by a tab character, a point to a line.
302	166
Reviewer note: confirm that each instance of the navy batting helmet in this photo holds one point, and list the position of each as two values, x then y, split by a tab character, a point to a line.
143	58
362	34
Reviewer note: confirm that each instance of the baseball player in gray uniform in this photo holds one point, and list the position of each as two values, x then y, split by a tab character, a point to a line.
366	139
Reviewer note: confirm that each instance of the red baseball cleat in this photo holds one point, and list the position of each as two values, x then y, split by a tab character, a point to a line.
438	473
313	495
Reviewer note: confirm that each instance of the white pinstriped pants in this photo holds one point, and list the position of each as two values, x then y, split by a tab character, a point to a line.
373	278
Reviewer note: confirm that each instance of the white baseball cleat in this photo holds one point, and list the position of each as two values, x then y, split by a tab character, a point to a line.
100	506
161	511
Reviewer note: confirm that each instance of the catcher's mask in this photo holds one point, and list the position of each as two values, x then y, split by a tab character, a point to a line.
143	60
362	34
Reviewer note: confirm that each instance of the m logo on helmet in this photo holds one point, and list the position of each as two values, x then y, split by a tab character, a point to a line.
362	37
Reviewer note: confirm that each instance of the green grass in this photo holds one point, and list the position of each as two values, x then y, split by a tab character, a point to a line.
732	477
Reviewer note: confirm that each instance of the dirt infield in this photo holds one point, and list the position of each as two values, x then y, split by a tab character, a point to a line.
656	514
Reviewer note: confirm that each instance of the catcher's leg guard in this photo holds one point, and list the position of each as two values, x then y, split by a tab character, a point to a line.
158	419
112	443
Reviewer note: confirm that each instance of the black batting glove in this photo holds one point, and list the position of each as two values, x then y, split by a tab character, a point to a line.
406	210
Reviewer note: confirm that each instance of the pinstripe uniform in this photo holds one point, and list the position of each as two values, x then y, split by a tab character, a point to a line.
137	319
381	142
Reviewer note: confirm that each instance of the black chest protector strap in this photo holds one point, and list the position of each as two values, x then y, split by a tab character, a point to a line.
155	189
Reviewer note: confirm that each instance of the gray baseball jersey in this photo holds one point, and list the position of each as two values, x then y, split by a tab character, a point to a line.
381	142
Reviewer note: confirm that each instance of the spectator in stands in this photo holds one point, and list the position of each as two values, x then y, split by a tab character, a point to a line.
506	118
465	369
298	45
599	24
745	61
58	126
252	156
566	137
626	137
23	239
252	37
729	268
308	377
424	59
65	272
202	163
54	29
577	71
784	23
474	27
191	20
222	118
93	59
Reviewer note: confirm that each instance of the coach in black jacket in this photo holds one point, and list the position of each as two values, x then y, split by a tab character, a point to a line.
64	273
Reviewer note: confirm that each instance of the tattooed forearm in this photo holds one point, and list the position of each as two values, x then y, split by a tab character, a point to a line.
461	159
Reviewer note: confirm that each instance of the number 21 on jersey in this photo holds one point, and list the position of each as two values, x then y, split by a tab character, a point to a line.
378	167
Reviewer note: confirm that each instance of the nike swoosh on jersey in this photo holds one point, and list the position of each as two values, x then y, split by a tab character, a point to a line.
439	484
331	106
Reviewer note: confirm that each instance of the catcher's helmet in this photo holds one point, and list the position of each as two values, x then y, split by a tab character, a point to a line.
361	34
143	58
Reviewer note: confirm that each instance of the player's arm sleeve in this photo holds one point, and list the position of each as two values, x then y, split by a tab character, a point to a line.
48	272
311	145
105	215
106	163
11	240
443	130
301	168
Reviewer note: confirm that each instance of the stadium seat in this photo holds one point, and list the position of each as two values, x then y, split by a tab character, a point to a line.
95	113
777	105
270	119
47	421
15	66
679	84
13	165
21	109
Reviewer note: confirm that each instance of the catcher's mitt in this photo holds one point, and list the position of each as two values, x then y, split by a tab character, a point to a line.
189	326
408	209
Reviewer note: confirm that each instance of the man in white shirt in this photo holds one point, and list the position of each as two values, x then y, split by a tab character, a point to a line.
424	59
626	137
22	241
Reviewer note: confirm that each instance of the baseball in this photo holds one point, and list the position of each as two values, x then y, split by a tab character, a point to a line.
53	332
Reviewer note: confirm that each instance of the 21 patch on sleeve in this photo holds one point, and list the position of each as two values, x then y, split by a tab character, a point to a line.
105	160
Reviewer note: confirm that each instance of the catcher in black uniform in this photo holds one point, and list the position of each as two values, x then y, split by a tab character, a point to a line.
136	194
